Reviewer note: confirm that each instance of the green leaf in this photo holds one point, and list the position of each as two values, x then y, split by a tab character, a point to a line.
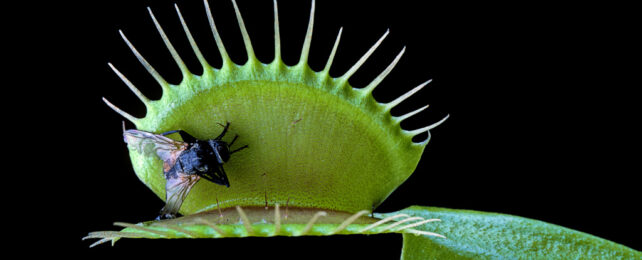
480	235
307	131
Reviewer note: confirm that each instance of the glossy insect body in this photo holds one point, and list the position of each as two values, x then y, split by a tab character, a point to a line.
184	163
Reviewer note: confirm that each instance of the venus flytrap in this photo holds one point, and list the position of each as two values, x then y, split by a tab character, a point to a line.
322	156
282	111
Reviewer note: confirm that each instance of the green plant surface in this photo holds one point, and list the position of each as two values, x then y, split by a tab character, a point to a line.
307	131
267	222
322	156
296	115
482	235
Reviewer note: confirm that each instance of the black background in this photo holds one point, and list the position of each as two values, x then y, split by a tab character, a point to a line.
538	127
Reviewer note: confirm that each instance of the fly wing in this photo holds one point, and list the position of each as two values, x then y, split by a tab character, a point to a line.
178	183
148	143
176	190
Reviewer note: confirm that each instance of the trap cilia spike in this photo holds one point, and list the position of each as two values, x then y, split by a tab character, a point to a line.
322	156
309	132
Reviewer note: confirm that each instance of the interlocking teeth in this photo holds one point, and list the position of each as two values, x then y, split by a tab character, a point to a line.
326	70
277	220
121	112
428	128
383	221
308	39
245	220
418	223
131	86
246	37
403	97
161	229
170	47
389	224
349	221
219	43
277	34
140	227
161	81
217	229
368	89
363	58
195	48
310	223
407	115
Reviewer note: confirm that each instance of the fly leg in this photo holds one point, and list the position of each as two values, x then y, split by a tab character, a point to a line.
241	148
227	125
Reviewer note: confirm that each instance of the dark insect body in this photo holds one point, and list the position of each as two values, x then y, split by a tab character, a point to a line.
184	163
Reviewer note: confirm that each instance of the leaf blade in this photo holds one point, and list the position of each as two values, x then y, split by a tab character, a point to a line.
481	235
